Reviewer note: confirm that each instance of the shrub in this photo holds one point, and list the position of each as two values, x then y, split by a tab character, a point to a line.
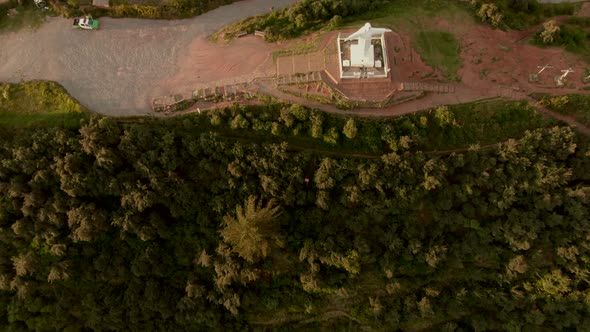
559	9
331	136
303	16
287	117
489	12
550	32
443	116
335	22
216	119
136	11
276	129
299	112
350	129
240	122
572	37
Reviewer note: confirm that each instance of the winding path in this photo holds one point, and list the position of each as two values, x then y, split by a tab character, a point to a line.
115	70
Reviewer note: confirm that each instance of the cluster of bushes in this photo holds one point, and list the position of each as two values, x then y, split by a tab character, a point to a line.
436	129
571	37
304	16
577	106
15	15
38	103
309	15
4	7
166	10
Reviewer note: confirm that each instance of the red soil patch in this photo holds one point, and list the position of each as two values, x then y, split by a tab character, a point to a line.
495	59
204	62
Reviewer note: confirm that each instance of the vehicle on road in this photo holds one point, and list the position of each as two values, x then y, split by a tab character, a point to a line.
86	23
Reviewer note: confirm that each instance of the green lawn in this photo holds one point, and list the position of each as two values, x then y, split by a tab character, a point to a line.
38	103
484	123
440	50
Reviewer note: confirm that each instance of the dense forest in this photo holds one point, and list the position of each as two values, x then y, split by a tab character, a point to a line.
197	223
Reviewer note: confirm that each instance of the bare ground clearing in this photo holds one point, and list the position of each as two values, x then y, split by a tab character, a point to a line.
118	69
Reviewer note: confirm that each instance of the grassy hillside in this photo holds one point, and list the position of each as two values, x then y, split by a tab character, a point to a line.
38	103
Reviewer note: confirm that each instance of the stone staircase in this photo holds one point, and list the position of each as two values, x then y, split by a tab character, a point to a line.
429	87
299	78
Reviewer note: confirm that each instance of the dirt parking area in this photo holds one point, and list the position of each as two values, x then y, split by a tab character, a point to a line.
119	68
496	59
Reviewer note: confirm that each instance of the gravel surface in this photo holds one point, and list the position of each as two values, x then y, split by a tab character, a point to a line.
115	70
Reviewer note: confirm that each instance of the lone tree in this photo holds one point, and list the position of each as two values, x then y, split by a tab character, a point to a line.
253	231
490	12
550	32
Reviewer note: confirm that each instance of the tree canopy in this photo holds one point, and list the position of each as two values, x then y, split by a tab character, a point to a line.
187	225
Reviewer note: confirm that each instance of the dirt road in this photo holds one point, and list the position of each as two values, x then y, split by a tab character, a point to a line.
117	69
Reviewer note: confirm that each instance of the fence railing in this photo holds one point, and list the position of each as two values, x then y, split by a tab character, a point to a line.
299	78
430	87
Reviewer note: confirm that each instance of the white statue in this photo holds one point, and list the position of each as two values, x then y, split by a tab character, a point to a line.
364	36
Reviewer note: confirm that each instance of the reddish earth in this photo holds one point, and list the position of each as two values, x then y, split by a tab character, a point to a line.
204	63
493	59
495	64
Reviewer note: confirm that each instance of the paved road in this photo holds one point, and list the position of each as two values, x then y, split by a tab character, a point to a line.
113	70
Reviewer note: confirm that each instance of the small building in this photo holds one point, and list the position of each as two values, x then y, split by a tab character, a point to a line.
363	53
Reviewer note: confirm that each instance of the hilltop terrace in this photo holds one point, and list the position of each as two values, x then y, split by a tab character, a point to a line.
356	63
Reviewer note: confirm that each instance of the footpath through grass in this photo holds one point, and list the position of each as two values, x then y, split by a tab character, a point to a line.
440	50
38	103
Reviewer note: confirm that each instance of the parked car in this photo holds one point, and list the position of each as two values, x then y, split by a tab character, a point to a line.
86	23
